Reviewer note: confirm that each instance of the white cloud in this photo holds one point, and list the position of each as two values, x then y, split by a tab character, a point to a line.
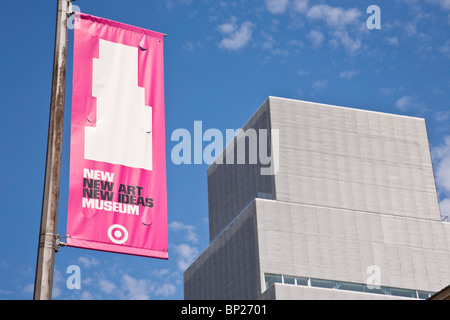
392	40
295	46
87	295
235	37
316	38
296	43
301	5
339	20
188	46
107	286
58	282
348	74
441	163
336	17
165	290
442	116
319	84
28	288
441	157
445	208
136	289
87	263
160	272
133	288
445	4
228	27
191	235
410	28
277	6
445	49
388	91
411	104
404	103
269	44
343	38
269	41
176	3
187	254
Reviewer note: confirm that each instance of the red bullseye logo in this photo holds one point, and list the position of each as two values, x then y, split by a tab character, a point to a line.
117	234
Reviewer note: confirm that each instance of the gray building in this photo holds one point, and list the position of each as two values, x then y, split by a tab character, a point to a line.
351	211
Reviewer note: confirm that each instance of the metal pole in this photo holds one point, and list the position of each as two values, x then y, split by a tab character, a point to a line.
49	216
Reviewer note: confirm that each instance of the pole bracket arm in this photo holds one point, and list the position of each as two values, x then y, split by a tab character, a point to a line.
58	243
70	10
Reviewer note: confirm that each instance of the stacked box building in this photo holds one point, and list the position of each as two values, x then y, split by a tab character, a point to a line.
349	210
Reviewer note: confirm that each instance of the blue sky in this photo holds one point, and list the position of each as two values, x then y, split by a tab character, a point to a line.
222	60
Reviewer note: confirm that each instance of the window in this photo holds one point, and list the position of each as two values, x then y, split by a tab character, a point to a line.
263	195
270	279
403	293
351	286
378	290
424	295
289	280
302	281
323	283
342	285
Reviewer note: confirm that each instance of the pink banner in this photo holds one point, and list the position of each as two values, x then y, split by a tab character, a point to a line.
117	193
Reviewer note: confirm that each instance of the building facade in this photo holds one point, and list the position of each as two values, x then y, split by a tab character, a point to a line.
350	211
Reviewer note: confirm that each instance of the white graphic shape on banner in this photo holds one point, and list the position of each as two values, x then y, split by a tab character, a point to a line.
123	121
118	234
